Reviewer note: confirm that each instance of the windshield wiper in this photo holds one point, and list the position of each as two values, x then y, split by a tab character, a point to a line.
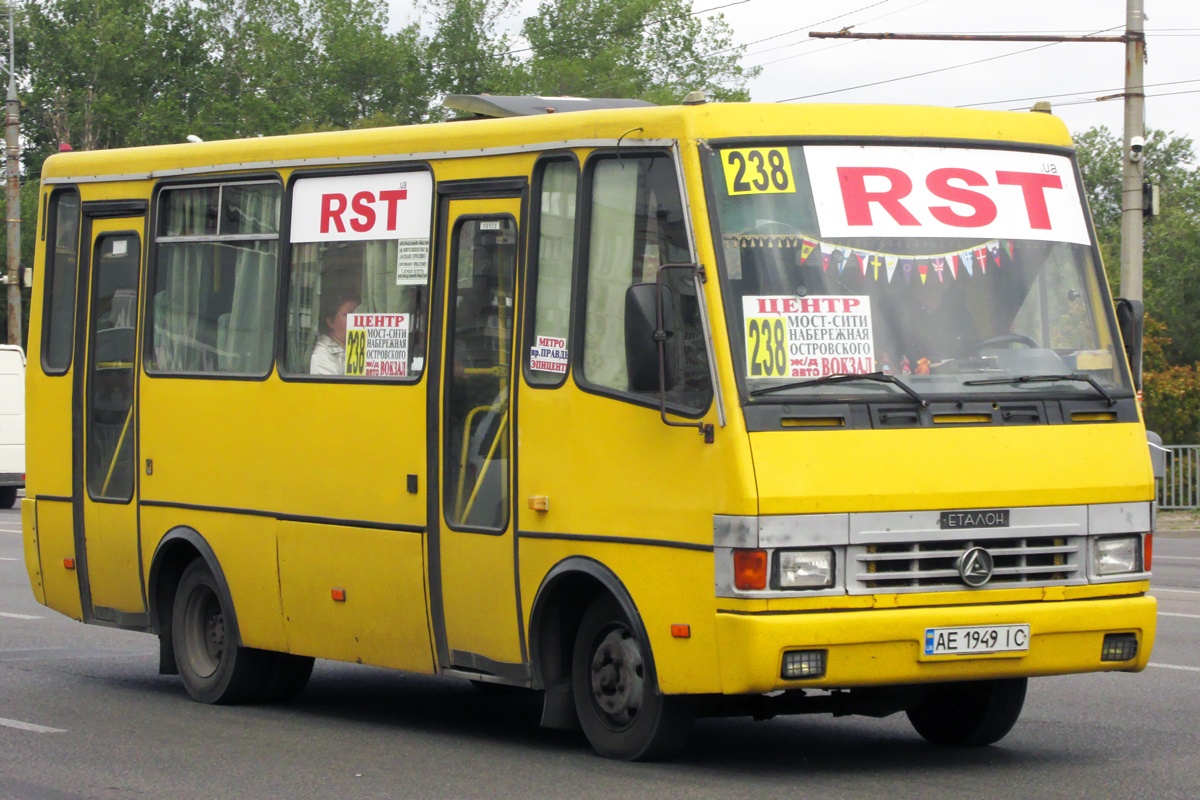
1046	379
876	377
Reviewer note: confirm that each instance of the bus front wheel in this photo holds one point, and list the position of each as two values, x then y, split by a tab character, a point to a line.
214	669
970	714
616	695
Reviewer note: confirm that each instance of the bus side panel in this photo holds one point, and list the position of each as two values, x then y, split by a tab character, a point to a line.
47	423
56	542
382	618
669	586
33	559
245	549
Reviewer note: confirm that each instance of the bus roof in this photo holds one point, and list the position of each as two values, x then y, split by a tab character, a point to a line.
582	128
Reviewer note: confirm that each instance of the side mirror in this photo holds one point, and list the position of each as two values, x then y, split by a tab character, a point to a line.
641	337
1130	315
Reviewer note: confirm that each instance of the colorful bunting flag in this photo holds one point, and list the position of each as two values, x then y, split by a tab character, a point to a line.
923	270
891	262
906	265
806	248
967	261
826	252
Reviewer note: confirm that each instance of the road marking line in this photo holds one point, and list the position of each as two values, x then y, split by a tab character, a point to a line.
11	615
6	558
11	530
1174	591
28	726
1189	616
1174	666
1177	558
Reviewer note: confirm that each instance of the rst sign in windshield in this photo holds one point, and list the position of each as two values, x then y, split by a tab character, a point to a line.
945	192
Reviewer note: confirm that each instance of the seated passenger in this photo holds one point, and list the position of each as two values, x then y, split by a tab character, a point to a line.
329	355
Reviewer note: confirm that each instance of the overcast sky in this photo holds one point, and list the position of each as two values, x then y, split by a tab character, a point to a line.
794	65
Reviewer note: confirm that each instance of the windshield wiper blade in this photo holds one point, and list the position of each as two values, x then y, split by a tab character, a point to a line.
1046	379
824	380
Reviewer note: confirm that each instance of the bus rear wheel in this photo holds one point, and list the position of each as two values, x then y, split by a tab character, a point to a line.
214	669
616	695
8	496
971	714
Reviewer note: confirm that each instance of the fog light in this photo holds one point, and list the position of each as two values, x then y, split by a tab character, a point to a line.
1119	647
803	664
1117	555
805	569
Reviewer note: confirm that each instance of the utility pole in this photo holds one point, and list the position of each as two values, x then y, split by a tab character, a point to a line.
1134	39
13	152
1135	143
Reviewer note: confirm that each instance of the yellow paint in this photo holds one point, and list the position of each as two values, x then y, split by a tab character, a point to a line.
343	452
878	648
382	620
976	467
56	541
29	536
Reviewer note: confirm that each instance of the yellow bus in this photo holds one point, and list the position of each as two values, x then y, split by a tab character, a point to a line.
661	411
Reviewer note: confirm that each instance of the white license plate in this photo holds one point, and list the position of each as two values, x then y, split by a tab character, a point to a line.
975	639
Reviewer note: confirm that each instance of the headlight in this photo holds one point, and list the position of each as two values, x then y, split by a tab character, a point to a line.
1118	554
805	569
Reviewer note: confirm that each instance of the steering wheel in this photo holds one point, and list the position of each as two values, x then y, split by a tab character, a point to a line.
1006	338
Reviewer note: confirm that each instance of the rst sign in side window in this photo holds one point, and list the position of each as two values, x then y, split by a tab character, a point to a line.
359	277
945	192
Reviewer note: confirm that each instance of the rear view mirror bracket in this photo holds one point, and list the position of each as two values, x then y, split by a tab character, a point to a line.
661	335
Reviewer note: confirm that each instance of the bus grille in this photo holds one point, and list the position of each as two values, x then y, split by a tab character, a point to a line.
917	566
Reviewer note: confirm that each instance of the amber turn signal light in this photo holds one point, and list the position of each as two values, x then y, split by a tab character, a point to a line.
750	570
681	631
69	563
339	595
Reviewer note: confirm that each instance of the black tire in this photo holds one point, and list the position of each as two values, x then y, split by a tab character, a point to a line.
616	693
213	668
971	714
287	675
8	496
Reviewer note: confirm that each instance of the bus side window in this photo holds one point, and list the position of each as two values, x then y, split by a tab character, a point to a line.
346	270
636	225
215	276
550	290
62	256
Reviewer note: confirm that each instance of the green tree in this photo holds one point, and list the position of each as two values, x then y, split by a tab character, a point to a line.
469	54
656	50
1171	260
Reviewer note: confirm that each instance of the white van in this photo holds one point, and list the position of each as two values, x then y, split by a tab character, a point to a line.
12	423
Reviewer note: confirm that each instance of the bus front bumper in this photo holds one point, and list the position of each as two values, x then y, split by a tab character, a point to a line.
881	647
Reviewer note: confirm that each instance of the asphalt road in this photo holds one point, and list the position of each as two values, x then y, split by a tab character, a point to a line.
93	719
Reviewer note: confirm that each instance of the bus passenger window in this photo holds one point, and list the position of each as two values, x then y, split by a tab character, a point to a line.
214	280
636	226
547	338
62	256
359	276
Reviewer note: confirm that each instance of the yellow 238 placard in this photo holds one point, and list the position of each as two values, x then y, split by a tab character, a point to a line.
758	170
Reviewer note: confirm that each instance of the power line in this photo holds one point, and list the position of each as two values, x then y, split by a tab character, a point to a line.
801	28
1068	94
1117	97
809	41
933	71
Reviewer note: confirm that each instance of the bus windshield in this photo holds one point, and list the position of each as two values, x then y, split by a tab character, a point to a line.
959	271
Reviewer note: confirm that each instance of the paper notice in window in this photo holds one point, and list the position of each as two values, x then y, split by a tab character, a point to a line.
412	262
549	355
807	337
377	345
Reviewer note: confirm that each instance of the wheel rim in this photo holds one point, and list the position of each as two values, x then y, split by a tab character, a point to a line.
617	673
204	631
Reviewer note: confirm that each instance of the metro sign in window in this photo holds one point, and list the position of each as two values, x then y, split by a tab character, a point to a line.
945	192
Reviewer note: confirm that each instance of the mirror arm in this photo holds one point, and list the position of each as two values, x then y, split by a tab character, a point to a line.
660	336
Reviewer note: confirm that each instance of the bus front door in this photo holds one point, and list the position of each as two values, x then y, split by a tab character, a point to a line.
476	603
104	422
